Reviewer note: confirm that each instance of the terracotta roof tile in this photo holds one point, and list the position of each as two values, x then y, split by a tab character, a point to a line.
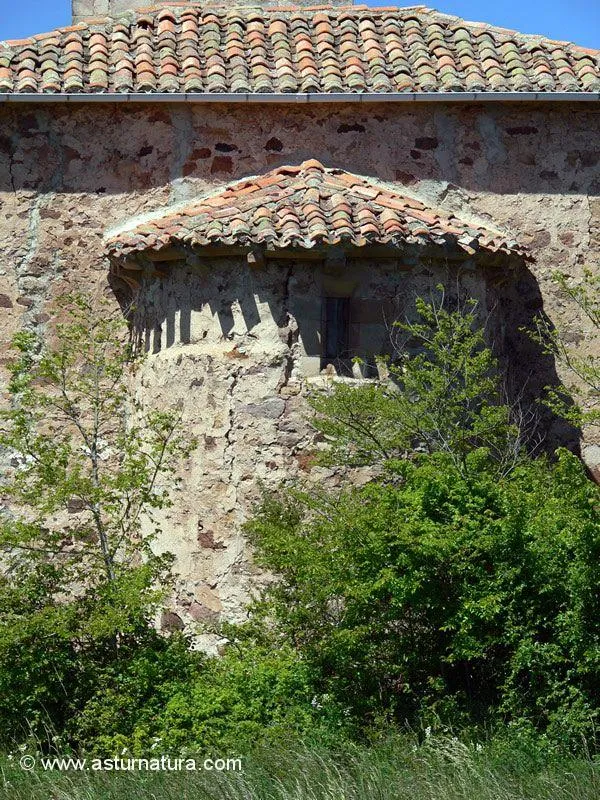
305	206
193	47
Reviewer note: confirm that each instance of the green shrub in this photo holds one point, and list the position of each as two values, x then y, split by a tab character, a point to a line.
434	595
183	701
458	588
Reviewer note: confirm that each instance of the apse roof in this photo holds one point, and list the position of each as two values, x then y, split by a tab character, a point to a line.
307	206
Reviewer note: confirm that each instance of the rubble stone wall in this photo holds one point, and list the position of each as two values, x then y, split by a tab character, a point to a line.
227	339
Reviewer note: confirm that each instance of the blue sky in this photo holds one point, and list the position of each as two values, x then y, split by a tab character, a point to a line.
571	20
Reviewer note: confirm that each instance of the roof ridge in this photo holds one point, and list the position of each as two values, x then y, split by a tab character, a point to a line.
131	14
490	26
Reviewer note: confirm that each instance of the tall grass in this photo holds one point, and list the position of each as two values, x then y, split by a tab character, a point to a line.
401	769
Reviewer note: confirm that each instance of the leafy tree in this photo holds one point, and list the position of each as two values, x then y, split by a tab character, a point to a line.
80	582
445	394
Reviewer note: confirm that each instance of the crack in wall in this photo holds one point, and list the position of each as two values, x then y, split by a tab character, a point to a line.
12	142
288	368
229	457
32	283
285	302
290	326
34	276
11	165
592	222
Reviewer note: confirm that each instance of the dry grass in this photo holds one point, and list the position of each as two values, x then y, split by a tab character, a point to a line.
440	769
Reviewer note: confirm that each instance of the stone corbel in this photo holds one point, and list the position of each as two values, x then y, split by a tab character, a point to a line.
256	257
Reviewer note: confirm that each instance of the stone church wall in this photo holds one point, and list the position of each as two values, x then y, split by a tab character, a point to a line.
233	343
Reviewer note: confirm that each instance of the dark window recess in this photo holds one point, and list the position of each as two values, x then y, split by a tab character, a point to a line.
336	349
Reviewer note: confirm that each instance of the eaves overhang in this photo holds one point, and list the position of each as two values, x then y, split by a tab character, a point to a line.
287	98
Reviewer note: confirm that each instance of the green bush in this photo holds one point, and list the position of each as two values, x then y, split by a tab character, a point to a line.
183	701
54	650
431	595
458	588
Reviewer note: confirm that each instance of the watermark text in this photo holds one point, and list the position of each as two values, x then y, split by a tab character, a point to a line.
122	764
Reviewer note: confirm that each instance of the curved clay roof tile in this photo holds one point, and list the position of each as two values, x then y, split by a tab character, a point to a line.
339	49
303	206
